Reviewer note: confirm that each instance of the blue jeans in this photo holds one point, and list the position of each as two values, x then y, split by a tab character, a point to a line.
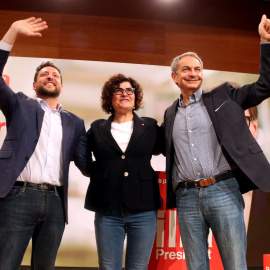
111	228
219	207
27	213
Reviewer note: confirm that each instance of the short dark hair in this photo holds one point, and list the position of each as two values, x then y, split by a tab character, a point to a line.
112	84
47	64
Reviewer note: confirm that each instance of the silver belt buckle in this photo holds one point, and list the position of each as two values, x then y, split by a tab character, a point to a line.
43	186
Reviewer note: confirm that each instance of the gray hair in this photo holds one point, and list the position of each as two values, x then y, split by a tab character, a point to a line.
175	61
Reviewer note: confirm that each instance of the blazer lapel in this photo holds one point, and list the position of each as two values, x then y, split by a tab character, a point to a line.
66	130
138	129
170	117
208	102
105	133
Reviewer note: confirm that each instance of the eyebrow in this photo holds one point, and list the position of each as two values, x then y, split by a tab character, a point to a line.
47	72
191	67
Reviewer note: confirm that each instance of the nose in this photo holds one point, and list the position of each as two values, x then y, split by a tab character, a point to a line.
193	72
50	76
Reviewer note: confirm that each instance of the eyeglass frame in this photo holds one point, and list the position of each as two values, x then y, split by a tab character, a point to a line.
124	89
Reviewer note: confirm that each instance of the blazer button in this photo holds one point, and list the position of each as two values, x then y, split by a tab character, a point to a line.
26	157
126	174
35	140
123	156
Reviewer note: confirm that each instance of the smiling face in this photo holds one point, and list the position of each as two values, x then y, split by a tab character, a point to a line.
48	83
123	102
189	75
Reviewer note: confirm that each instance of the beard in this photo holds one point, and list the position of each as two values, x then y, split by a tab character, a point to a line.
42	92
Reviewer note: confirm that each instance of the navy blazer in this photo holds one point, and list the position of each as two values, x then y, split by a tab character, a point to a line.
120	178
24	117
226	105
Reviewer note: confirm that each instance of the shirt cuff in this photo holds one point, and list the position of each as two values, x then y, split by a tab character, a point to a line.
5	47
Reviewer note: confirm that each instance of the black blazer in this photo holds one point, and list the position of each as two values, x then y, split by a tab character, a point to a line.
24	117
120	178
226	105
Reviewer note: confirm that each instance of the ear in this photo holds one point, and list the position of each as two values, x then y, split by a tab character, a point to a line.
255	128
34	85
174	78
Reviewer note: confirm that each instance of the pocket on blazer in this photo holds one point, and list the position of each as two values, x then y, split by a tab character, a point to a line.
147	186
5	154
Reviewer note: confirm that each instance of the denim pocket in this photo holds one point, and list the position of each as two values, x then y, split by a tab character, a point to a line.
14	192
180	192
227	185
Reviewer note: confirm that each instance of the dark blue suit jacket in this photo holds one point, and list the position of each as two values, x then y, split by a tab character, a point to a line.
226	105
24	117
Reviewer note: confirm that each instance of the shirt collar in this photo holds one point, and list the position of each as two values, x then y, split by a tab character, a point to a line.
45	105
195	97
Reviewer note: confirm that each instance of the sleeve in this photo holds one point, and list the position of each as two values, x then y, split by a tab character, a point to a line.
7	96
251	95
160	141
80	154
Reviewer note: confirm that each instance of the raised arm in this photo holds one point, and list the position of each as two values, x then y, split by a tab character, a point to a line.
30	27
264	29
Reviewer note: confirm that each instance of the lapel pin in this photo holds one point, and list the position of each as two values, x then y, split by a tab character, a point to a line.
142	124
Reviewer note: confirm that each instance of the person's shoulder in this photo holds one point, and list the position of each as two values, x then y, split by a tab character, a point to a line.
72	115
221	89
22	97
97	122
149	120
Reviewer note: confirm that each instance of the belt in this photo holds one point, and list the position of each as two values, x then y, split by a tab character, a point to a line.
204	182
36	186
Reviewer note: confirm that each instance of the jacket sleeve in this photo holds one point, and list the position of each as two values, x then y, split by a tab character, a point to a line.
80	155
162	139
251	95
7	96
160	142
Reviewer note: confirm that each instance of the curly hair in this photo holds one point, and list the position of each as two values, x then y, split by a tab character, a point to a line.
112	84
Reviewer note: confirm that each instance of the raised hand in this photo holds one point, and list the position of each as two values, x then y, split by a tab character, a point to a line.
264	29
30	27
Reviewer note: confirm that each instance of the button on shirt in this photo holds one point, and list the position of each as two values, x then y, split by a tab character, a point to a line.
198	153
45	164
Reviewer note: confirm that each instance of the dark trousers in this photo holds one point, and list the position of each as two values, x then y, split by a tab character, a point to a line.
27	213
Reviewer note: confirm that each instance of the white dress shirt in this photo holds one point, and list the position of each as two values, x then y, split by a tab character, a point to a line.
45	164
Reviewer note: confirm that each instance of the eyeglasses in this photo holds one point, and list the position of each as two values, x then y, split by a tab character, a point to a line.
248	119
120	91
